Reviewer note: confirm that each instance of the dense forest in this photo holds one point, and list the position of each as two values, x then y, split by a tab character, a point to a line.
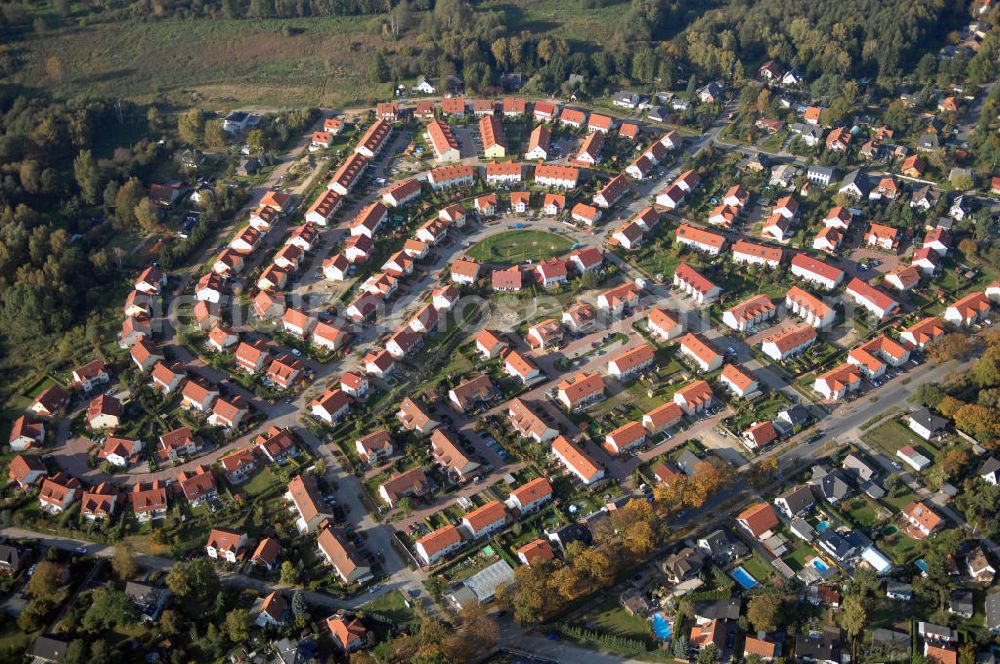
654	43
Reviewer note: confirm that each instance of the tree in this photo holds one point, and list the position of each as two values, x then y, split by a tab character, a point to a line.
929	394
763	610
681	647
709	654
238	625
854	616
968	247
948	347
76	652
379	71
170	622
108	609
595	565
480	628
123	562
191	125
195	580
568	582
255	141
214	136
762	472
129	195
949	405
289	574
86	174
299	609
978	421
146	215
986	370
99	652
953	462
45	581
529	595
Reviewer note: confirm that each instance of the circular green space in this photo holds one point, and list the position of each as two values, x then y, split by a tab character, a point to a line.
518	246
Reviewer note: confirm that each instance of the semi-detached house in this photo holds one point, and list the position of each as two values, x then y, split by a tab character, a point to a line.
808	306
699	351
789	342
700	239
816	271
438	544
576	461
875	301
691	282
749	313
756	254
580	391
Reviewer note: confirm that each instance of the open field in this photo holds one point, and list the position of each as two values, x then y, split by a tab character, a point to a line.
516	246
261	62
215	63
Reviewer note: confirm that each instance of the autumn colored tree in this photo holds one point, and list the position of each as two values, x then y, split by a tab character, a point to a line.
594	565
986	371
968	247
949	405
949	347
636	528
45	581
123	562
953	462
529	596
762	472
763	611
978	421
568	582
854	616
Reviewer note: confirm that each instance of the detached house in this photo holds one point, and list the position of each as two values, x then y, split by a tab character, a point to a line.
922	521
149	501
228	545
198	486
58	492
758	520
341	554
26	433
304	494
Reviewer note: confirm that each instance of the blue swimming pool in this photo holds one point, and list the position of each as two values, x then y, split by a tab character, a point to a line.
819	565
922	564
743	578
822	525
661	626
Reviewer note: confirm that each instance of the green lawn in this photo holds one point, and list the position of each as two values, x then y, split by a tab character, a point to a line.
796	558
862	512
900	547
393	606
757	568
517	246
610	617
892	435
259	483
